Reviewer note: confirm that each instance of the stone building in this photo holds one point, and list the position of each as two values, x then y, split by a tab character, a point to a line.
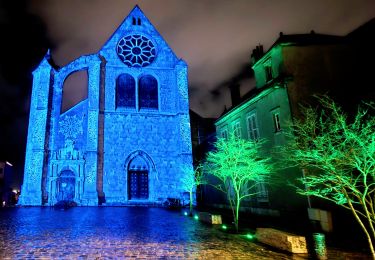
124	141
294	69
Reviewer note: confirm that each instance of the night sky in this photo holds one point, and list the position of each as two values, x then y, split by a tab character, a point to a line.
215	38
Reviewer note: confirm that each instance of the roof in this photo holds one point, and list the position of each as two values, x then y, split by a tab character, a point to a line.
308	39
312	38
252	94
303	40
364	33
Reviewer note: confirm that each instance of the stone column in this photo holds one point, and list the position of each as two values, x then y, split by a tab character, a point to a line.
185	153
90	196
31	193
182	85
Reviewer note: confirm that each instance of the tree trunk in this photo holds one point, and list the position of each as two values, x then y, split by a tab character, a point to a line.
369	240
232	207
369	220
236	221
191	202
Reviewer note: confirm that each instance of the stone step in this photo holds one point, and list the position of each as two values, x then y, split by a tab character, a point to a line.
282	240
209	218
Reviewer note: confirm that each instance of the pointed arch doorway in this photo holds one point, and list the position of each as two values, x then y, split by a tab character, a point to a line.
66	185
138	179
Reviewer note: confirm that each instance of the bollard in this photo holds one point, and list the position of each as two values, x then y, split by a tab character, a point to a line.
320	245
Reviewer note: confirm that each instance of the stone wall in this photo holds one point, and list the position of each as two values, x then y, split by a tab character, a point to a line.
157	136
282	240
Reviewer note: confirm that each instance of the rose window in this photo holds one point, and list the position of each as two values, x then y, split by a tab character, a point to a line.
136	50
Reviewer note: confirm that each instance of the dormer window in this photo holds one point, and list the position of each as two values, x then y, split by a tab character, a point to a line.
134	21
139	21
268	70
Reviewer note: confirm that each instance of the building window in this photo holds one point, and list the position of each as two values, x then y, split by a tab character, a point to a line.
74	91
148	92
136	50
237	129
262	192
252	127
224	134
276	121
125	91
268	70
136	21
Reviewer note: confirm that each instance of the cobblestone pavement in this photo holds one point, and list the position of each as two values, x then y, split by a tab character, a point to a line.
122	233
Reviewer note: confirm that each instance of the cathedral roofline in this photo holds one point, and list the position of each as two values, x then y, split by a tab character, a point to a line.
48	60
135	9
134	12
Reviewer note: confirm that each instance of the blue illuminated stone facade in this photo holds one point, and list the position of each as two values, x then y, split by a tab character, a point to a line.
126	142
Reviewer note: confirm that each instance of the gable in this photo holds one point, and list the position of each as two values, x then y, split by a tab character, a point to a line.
137	31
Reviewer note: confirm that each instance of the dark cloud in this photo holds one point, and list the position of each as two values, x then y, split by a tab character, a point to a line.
22	45
215	93
193	91
215	37
23	41
245	72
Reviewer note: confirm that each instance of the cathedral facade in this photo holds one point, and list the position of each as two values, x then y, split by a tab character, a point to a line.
126	142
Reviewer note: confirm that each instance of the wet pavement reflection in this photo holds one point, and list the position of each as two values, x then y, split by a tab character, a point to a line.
118	233
113	233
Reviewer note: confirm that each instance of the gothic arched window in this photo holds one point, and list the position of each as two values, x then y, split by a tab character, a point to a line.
148	92
74	89
125	91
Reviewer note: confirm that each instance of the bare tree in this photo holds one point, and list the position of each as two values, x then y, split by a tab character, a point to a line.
339	155
239	167
190	184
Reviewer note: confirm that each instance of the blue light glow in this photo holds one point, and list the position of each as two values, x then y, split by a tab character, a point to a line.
127	152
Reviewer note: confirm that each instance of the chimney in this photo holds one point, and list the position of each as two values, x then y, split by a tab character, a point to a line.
257	54
235	93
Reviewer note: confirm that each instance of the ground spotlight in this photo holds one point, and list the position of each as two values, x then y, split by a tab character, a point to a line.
250	236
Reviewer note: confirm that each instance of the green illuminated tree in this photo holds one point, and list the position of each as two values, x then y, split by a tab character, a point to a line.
190	184
339	156
239	167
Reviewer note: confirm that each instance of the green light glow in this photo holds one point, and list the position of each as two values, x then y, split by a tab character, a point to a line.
224	227
337	155
185	213
239	167
249	236
320	244
196	217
